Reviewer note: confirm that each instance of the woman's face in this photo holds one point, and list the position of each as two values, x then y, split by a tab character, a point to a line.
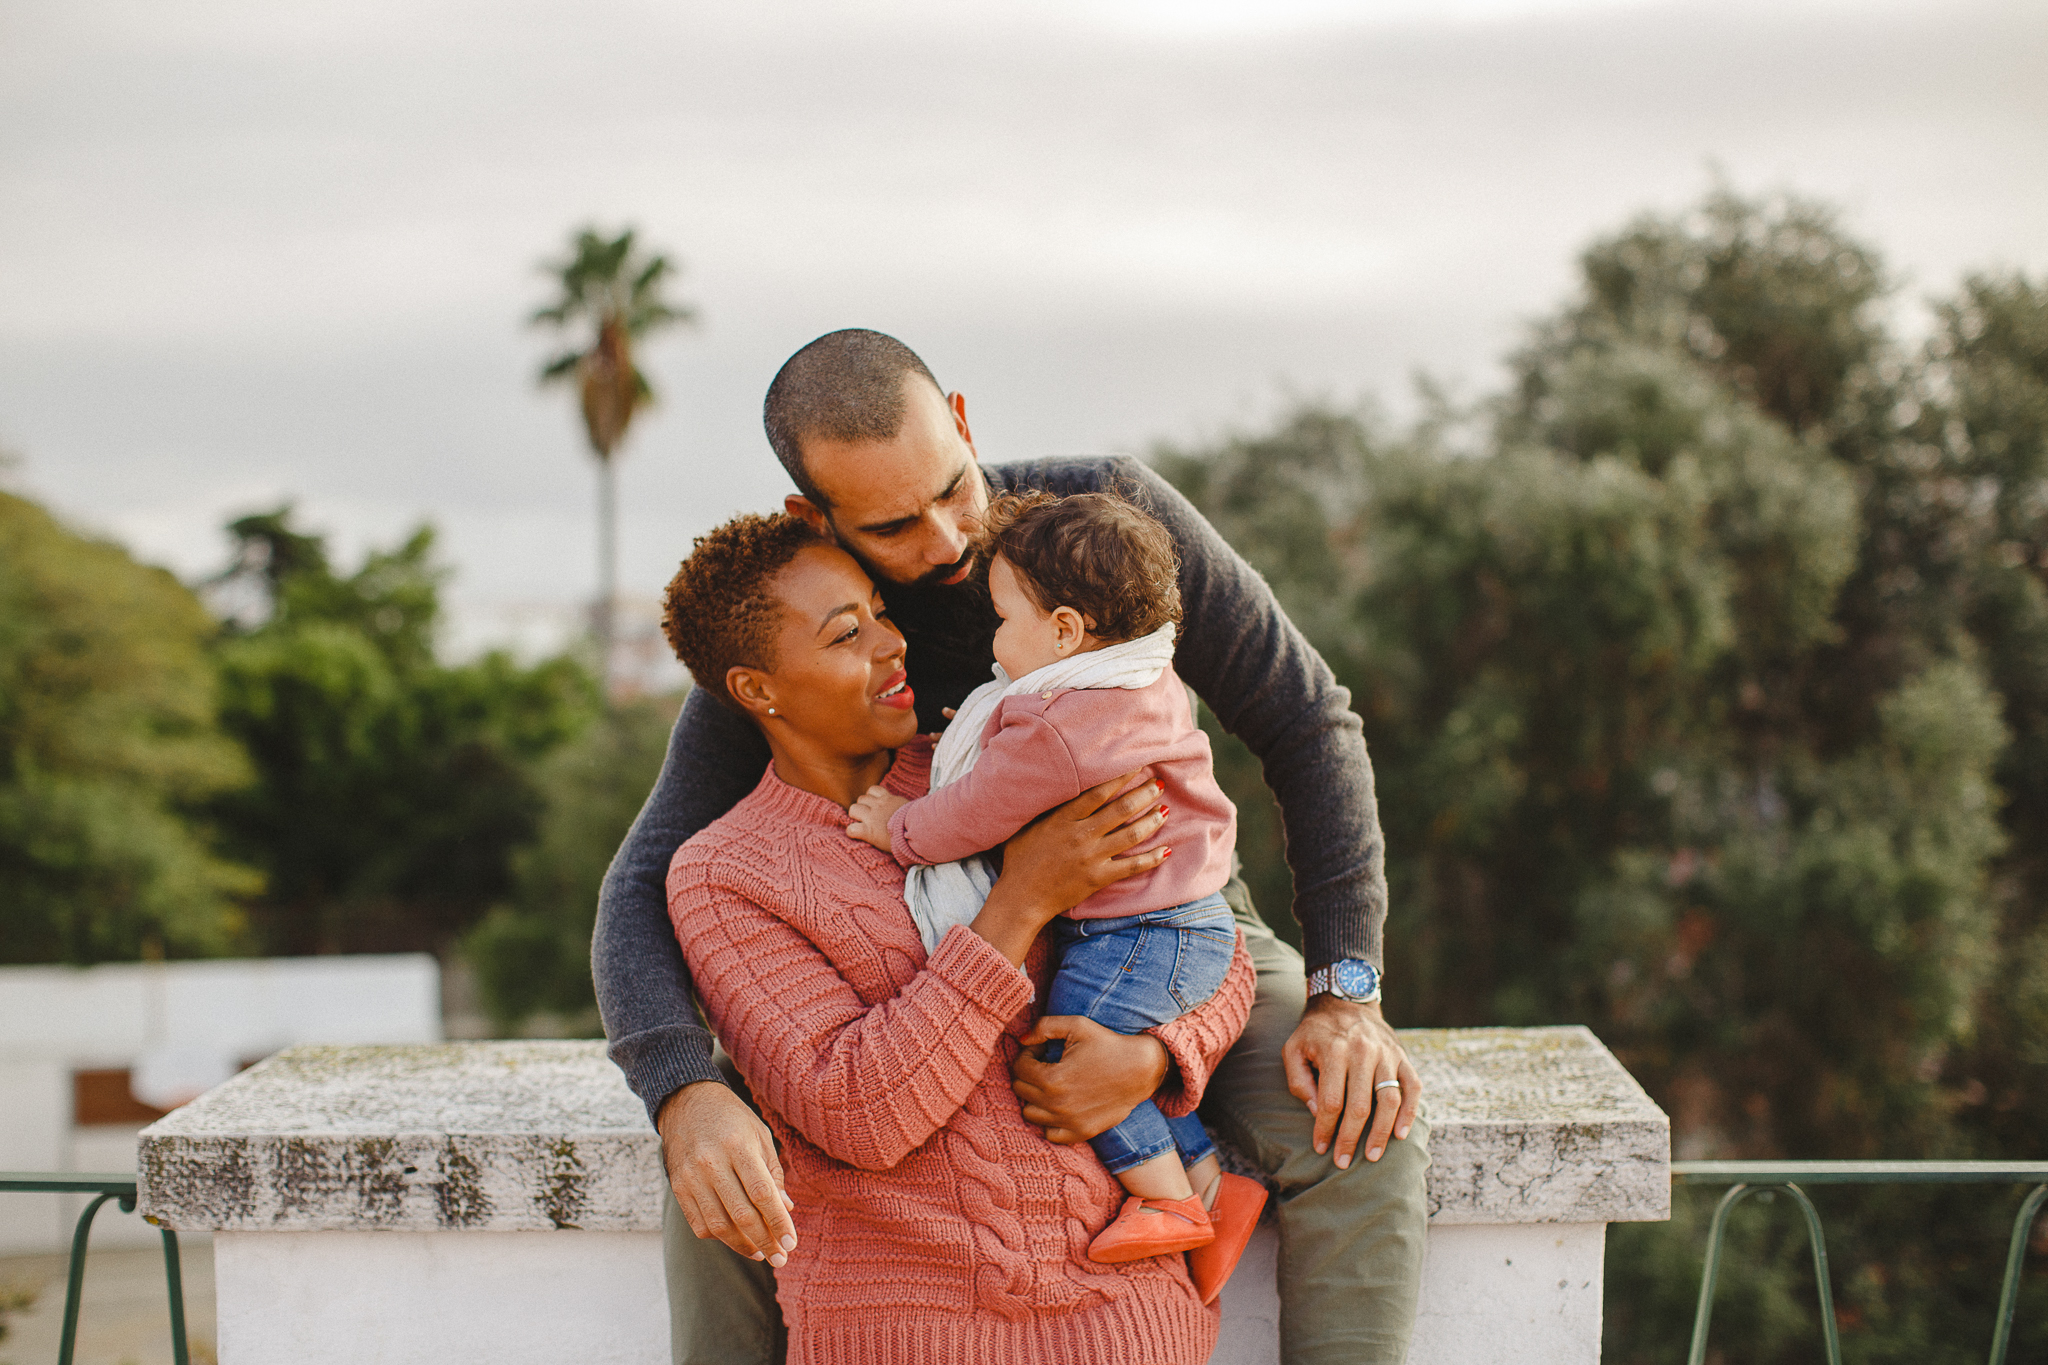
838	682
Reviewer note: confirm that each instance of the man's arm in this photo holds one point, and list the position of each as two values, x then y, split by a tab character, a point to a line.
643	988
720	1158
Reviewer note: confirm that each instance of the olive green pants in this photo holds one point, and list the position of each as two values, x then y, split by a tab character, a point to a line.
1350	1241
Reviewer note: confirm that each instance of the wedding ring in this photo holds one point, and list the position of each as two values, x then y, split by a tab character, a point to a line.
1384	1085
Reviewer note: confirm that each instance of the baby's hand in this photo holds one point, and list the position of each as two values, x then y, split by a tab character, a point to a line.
871	814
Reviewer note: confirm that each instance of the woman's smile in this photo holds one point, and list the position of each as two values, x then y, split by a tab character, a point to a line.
896	692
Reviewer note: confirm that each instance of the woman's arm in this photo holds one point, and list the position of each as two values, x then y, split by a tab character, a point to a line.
869	1084
1067	855
866	1084
1102	1075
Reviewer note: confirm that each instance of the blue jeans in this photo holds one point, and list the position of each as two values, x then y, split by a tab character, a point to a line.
1129	974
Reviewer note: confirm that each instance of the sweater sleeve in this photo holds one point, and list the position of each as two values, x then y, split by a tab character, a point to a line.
1197	1040
643	986
867	1085
1024	770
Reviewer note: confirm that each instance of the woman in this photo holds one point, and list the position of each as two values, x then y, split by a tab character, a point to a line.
933	1223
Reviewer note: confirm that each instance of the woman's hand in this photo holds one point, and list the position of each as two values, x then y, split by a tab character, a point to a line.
1067	855
1100	1078
727	1179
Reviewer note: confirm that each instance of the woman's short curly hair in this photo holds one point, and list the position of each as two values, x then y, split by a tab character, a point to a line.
1098	553
719	611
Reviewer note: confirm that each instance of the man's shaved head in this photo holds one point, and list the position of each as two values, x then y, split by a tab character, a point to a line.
845	386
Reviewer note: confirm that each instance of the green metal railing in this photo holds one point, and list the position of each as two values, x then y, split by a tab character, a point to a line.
103	1187
1745	1178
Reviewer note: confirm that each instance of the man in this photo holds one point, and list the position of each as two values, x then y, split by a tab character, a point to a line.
884	463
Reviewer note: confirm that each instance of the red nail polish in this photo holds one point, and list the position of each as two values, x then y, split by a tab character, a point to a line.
1166	852
1163	808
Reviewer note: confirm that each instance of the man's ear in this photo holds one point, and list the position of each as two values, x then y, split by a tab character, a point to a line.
752	689
958	403
809	513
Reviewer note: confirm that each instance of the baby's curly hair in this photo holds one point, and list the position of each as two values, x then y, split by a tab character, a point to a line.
718	612
1098	553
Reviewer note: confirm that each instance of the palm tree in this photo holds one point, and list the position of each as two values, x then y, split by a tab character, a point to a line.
616	291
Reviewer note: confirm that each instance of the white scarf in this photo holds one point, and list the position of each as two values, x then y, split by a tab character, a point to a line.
946	894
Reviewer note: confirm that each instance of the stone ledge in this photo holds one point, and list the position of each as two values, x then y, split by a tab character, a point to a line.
1528	1126
502	1137
1538	1125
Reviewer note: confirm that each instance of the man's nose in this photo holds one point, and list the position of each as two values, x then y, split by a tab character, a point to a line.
948	541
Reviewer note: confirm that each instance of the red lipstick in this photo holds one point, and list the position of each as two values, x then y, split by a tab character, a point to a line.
896	692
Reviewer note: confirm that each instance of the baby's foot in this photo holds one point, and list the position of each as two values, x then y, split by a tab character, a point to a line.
1152	1227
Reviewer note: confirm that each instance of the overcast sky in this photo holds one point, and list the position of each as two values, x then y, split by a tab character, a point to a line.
252	251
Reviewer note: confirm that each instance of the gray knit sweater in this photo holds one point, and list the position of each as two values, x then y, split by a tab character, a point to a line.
1237	650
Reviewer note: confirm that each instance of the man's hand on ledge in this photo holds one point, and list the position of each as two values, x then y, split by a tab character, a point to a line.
722	1165
1337	1054
1099	1079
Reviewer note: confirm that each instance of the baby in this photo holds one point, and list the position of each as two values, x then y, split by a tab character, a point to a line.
1087	588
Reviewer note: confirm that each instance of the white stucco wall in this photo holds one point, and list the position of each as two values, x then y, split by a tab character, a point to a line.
441	1298
1527	1293
1505	1295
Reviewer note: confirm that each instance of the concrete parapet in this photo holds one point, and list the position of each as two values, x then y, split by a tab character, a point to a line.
471	1137
1538	1125
429	1188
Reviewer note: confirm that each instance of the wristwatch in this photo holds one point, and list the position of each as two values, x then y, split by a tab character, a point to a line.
1349	978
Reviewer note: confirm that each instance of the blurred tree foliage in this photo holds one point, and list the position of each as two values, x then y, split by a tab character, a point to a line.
532	951
392	791
308	778
108	749
1705	673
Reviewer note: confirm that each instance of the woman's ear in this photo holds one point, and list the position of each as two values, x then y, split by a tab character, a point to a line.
1069	631
752	689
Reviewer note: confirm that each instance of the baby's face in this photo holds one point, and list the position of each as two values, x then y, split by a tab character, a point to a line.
1029	637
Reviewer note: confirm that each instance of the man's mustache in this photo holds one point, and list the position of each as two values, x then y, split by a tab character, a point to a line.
937	577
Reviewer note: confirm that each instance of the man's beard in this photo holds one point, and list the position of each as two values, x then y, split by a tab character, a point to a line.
931	584
931	596
950	628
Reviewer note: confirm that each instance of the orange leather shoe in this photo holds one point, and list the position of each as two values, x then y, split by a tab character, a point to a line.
1238	1204
1152	1227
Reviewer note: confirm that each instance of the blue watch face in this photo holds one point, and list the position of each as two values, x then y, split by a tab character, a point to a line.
1356	979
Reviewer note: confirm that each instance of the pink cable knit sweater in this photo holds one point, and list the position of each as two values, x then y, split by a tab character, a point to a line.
935	1225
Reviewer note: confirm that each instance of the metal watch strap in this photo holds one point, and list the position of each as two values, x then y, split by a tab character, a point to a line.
1348	979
